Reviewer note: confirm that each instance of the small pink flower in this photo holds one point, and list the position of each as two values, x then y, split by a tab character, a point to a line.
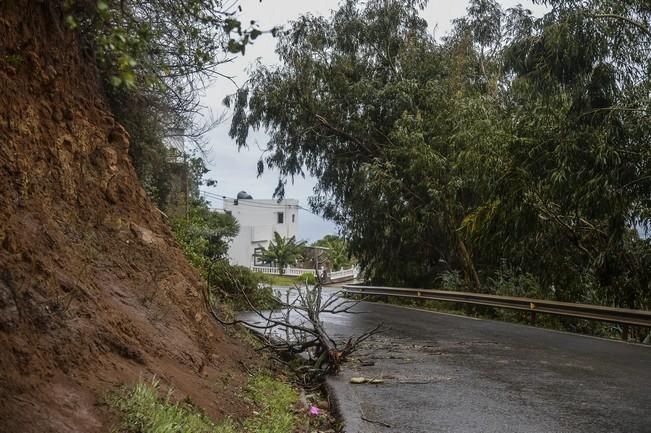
314	411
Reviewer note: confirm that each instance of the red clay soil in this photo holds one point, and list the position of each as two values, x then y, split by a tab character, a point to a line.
94	292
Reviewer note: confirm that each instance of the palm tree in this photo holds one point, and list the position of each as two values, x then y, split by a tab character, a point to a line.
282	251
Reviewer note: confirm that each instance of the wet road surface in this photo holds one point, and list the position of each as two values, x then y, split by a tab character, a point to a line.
446	373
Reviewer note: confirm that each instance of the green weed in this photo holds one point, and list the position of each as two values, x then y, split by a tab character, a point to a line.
275	401
144	410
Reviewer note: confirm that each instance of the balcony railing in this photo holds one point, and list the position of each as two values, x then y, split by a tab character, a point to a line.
273	270
294	272
344	273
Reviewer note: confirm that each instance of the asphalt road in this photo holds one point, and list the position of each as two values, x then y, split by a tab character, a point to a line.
448	373
445	373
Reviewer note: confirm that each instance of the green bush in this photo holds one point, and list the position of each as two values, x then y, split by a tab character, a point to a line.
307	277
239	283
204	234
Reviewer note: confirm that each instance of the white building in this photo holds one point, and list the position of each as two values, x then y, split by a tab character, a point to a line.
258	220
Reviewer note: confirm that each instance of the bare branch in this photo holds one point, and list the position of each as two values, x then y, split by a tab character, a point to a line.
297	326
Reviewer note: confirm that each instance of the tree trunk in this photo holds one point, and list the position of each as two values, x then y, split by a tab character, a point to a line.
469	271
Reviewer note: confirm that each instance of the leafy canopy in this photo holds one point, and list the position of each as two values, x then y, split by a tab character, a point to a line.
516	142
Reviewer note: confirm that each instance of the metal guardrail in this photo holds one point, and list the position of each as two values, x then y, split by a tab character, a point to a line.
623	316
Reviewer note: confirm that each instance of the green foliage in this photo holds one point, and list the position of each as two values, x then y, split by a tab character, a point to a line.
451	280
380	133
337	254
515	143
155	58
275	402
204	235
241	286
282	252
576	185
161	43
508	281
307	278
277	280
143	411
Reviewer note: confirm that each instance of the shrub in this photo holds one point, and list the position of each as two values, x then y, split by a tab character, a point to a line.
239	283
451	280
204	234
307	278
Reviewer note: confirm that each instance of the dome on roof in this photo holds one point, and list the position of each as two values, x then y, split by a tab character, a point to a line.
243	195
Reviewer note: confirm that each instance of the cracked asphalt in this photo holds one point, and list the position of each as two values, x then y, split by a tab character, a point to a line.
454	374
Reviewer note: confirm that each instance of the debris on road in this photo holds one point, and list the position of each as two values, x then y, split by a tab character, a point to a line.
360	380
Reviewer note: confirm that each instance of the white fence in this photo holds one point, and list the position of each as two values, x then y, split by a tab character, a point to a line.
294	272
272	270
344	273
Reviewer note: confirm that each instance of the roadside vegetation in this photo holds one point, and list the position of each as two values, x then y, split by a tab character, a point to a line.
155	58
145	408
277	280
337	255
240	287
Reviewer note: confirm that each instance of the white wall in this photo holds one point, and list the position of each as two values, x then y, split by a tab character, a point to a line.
258	221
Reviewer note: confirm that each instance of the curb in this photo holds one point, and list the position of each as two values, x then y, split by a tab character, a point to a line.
343	404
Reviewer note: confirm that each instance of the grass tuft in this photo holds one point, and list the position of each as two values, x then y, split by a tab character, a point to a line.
275	401
143	410
278	280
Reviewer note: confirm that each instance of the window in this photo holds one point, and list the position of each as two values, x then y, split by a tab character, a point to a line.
257	261
281	217
293	218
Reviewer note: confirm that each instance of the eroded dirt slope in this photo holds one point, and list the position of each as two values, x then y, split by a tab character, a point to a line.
93	290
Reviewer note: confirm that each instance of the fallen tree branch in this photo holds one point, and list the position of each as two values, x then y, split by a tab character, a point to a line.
296	327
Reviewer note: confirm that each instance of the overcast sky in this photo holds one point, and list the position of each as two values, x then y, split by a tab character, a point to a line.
236	170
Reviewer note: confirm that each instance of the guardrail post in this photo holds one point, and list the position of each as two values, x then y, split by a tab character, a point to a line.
533	317
625	332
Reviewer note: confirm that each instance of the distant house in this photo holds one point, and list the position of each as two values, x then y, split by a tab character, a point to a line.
258	220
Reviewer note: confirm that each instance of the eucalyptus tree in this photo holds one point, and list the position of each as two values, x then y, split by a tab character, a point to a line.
577	182
514	140
362	101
